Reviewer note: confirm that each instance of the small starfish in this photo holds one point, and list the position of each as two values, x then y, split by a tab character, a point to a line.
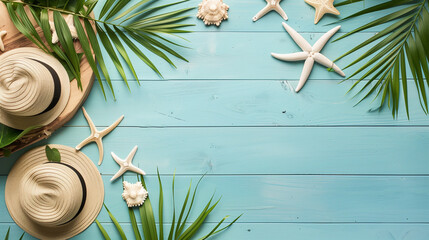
2	34
69	21
271	5
97	136
322	7
309	53
126	164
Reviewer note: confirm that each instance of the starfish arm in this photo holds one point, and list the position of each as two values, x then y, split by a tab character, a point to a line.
131	155
261	13
136	170
116	158
119	173
84	142
311	2
299	40
111	127
280	11
299	56
317	47
334	11
100	150
321	59
319	14
308	66
89	120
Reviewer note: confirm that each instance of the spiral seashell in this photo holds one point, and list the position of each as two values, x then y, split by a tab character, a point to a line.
212	11
134	194
34	88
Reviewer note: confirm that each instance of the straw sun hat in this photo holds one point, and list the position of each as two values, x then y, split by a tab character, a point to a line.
34	88
51	200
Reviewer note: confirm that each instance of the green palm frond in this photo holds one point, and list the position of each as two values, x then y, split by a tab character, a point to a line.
177	229
8	232
402	45
120	24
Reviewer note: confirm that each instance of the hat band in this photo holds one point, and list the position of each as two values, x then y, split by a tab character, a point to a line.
57	87
82	182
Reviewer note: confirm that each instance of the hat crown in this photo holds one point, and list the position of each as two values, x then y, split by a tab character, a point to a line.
51	194
26	85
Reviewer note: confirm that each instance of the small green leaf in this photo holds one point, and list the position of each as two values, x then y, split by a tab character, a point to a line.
117	225
52	154
160	208
134	224
7	234
9	135
22	236
102	230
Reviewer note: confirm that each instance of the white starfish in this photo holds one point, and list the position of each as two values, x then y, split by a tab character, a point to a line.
97	136
271	5
309	53
70	23
126	164
2	34
322	7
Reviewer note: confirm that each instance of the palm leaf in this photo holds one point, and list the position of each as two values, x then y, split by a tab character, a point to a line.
7	234
102	230
134	224
66	40
9	135
140	24
148	219
160	208
84	42
117	225
401	45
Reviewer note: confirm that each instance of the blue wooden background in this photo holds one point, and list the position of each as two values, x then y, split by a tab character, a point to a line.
299	166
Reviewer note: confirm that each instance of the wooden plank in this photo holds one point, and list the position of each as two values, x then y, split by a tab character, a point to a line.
301	16
257	231
293	199
243	55
264	150
243	103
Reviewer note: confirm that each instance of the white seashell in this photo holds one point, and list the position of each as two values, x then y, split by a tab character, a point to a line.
134	194
212	11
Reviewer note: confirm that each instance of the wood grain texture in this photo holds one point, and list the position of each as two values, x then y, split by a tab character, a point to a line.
232	103
299	166
287	199
256	231
14	39
259	150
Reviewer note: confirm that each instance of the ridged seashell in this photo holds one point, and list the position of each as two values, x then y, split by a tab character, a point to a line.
134	194
212	11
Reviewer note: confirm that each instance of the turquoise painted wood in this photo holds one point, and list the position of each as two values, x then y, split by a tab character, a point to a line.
260	150
303	166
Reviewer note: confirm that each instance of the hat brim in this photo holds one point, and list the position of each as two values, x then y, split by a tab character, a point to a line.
43	119
93	204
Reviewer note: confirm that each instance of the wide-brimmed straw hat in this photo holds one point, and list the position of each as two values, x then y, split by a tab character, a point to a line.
34	88
54	200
